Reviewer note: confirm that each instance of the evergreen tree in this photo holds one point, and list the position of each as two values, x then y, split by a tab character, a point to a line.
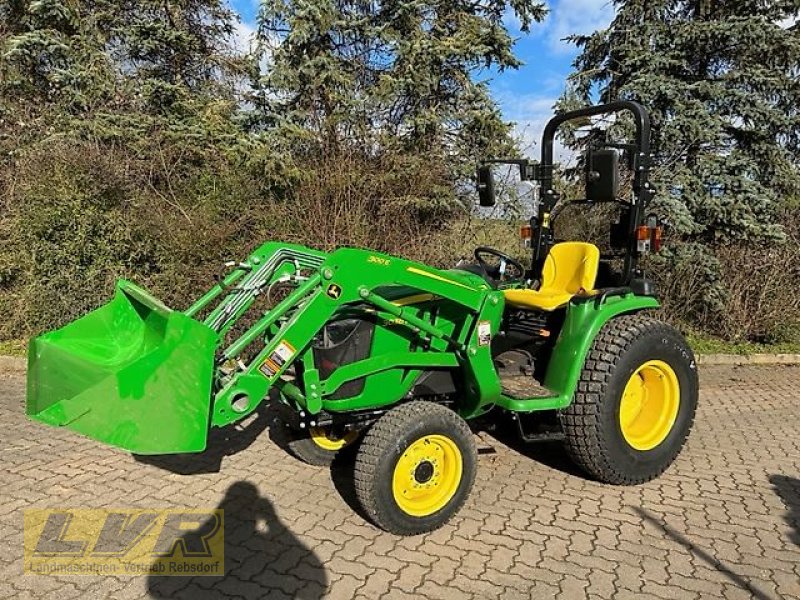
391	73
51	51
178	49
129	55
721	82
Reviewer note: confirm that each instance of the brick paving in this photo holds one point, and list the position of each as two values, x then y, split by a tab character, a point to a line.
723	522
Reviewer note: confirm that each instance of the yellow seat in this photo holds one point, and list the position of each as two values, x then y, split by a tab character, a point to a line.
569	269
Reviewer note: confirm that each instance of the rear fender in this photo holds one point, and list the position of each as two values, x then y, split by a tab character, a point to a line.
584	319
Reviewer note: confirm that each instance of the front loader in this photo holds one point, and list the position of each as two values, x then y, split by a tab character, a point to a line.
399	358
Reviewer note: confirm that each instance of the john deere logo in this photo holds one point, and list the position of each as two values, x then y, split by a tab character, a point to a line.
334	291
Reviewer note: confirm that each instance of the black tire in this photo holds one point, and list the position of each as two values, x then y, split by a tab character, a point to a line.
591	424
300	445
386	443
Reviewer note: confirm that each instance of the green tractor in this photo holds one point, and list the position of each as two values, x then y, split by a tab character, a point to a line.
400	359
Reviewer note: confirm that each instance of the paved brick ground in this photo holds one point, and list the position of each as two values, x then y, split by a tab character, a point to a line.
724	522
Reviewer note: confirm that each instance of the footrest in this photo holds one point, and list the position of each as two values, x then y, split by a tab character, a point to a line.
523	387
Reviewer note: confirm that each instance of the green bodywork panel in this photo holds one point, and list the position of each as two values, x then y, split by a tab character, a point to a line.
584	319
138	375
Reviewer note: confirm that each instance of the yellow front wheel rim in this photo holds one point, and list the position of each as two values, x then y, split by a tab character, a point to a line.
427	475
649	405
325	439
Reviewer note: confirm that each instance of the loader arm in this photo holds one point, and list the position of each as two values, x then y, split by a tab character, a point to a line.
360	277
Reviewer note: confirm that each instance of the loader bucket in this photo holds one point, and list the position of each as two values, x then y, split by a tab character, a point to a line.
133	374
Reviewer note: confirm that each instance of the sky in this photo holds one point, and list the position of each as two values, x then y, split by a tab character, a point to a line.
526	96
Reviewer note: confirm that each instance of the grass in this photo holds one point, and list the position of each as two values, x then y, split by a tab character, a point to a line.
705	344
13	347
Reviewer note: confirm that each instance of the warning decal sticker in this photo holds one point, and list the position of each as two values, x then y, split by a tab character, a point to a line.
484	333
280	356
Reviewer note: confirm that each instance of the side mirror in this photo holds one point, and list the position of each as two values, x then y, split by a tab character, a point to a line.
485	186
602	175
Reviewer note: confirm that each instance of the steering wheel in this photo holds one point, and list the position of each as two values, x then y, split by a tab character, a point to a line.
498	272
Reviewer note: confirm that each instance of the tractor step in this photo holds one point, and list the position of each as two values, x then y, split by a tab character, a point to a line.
522	387
515	369
542	430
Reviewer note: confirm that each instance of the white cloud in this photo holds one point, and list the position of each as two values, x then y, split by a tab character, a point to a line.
570	17
565	18
530	113
789	21
243	36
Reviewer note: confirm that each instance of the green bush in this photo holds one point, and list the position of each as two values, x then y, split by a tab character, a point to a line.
745	292
82	214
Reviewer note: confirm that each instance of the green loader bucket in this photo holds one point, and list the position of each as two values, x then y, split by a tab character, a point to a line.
133	374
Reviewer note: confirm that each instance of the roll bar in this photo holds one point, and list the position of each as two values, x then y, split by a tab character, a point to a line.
642	192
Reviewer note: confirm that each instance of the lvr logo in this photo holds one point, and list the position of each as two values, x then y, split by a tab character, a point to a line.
121	532
120	539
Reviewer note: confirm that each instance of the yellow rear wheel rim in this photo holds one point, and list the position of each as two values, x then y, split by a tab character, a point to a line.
325	439
649	405
427	475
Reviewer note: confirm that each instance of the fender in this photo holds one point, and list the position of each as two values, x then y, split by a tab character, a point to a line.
585	317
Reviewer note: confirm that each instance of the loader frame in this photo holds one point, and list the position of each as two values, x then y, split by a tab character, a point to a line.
368	282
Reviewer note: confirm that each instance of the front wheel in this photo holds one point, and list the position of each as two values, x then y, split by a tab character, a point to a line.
317	446
415	468
635	401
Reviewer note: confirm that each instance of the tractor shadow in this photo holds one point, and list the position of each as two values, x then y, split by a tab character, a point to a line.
343	477
699	553
551	454
788	490
222	442
263	558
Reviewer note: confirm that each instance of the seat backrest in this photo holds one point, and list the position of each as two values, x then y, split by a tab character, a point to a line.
570	267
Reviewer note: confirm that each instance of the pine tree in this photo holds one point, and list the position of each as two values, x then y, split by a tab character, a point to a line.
144	54
175	50
721	82
395	73
52	51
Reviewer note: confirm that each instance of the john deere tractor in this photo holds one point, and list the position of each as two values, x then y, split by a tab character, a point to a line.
399	358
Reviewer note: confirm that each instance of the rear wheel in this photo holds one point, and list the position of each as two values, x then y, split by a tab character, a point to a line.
415	468
635	401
